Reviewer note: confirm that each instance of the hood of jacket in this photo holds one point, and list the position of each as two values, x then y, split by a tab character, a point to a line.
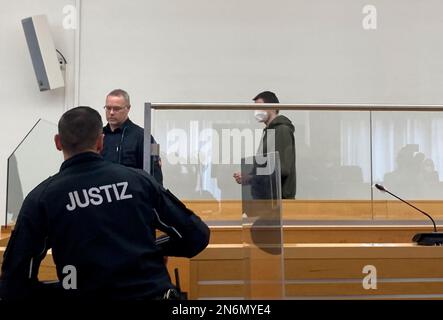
281	120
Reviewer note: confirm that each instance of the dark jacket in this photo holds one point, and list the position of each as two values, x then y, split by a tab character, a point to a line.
125	146
101	218
285	145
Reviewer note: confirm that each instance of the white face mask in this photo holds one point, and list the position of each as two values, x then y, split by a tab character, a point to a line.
261	115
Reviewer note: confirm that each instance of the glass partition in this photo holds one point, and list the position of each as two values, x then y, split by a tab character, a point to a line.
408	161
340	155
33	160
200	153
262	227
201	150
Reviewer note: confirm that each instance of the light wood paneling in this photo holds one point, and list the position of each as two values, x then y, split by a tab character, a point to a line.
221	269
326	234
4	236
335	271
222	291
340	268
320	260
343	288
320	234
323	209
313	271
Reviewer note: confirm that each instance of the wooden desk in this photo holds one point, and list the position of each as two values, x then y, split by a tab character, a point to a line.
320	261
5	233
313	271
363	210
327	271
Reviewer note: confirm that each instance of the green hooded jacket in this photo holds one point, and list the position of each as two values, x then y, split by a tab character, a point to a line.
285	146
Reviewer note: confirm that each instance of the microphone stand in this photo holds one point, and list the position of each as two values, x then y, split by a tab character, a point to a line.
424	239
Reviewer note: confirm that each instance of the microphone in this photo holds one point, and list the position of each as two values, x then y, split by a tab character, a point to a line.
425	239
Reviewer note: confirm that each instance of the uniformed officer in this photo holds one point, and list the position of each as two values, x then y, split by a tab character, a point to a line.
100	219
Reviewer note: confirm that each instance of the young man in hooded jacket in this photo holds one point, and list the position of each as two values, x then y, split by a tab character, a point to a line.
283	143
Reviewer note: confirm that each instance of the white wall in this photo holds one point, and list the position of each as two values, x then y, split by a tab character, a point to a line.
308	51
197	50
22	103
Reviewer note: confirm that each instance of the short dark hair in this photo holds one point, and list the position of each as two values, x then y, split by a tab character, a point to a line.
79	129
267	97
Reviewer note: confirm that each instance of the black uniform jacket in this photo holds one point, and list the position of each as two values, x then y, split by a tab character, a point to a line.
125	146
100	218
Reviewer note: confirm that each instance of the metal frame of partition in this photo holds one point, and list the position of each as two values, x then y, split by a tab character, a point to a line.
286	106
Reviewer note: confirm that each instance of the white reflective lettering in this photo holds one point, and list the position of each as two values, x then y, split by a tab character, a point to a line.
77	199
71	206
95	197
123	194
106	188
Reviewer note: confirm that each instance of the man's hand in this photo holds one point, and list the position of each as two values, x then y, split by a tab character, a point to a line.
242	179
237	177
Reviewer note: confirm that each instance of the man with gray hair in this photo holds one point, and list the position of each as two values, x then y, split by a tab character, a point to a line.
123	142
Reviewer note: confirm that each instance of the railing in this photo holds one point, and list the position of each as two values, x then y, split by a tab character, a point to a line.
286	106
